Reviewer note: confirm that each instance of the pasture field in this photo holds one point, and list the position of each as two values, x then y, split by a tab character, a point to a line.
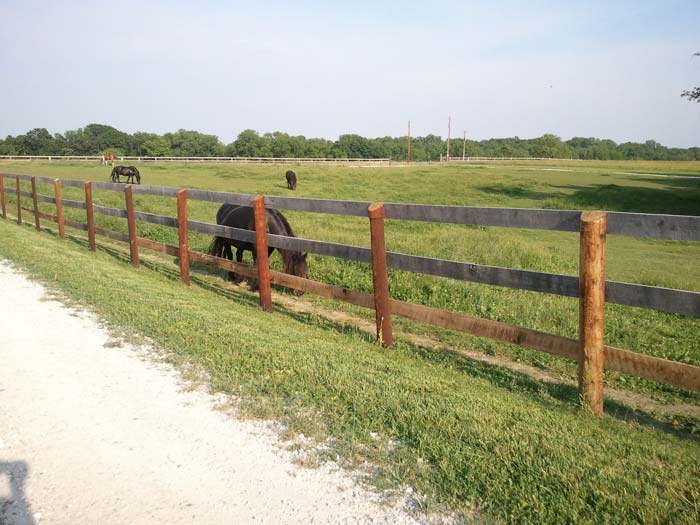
479	440
620	186
482	440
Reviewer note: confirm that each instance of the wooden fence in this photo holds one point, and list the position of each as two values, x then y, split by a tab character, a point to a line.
590	287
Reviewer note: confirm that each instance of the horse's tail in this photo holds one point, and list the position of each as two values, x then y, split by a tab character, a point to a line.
216	248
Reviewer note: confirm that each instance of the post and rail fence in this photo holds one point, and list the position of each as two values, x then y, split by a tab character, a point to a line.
591	287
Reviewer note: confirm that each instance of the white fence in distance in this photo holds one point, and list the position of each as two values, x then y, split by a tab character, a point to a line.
267	160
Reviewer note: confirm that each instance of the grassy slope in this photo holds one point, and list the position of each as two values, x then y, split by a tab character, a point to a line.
471	436
588	185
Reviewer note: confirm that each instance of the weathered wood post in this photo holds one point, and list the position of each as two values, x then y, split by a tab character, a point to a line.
380	278
35	200
3	203
182	235
59	208
90	215
19	201
592	310
131	219
263	261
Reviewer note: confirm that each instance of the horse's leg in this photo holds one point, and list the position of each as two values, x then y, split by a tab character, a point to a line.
254	284
232	276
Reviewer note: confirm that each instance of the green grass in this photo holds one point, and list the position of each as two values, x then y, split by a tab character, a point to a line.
561	185
478	439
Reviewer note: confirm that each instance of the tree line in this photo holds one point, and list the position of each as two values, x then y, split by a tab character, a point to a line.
96	139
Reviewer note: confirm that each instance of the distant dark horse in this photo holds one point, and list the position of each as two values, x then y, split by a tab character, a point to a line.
294	263
131	173
291	180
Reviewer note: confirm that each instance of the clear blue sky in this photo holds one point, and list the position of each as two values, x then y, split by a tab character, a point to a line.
606	69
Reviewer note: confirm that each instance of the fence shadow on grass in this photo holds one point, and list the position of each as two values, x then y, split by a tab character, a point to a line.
677	197
517	191
658	195
543	392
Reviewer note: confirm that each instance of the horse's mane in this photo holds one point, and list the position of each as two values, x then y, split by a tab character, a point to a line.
283	220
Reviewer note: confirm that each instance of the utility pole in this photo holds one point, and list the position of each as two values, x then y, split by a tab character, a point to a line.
464	144
409	141
449	131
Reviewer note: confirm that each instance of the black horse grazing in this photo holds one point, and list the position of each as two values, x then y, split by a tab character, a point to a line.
135	173
294	263
131	173
291	180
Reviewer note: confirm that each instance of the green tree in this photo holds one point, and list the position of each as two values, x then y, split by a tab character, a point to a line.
156	146
250	144
35	142
95	139
692	94
550	146
185	143
351	146
7	146
318	148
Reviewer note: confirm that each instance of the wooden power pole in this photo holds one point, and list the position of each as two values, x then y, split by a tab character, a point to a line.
464	144
449	131
409	141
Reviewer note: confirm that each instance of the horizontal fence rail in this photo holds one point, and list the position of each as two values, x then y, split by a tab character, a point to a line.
74	204
657	226
221	197
686	228
227	232
331	249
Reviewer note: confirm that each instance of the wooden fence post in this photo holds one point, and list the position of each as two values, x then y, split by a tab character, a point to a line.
182	235
3	203
59	208
263	262
90	215
19	201
131	219
380	278
592	310
36	205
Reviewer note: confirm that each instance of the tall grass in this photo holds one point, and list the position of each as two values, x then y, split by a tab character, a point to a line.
483	441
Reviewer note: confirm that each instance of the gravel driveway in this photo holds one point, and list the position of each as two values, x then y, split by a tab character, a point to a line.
92	433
